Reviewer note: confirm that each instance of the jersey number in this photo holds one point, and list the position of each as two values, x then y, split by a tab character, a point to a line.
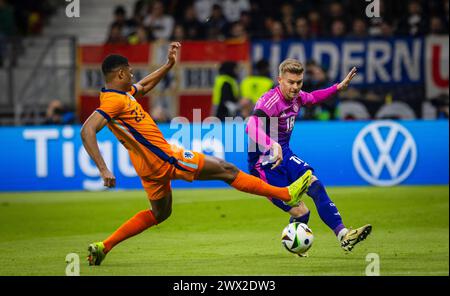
297	160
138	114
290	123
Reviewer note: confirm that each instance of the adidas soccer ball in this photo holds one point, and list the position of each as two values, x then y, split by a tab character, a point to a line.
297	238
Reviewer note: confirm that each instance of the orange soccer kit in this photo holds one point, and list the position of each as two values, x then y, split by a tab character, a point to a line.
156	161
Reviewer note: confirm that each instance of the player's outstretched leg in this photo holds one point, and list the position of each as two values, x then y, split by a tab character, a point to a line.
329	214
161	210
218	169
300	186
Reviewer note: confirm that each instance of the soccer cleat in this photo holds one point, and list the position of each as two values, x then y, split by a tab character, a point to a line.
96	253
354	236
297	188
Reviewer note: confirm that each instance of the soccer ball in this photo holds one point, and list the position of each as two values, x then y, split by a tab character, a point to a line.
297	238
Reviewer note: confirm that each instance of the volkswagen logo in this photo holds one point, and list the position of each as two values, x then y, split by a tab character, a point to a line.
384	153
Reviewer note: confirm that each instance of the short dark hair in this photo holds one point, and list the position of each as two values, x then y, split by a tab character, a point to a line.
262	66
120	10
228	68
112	62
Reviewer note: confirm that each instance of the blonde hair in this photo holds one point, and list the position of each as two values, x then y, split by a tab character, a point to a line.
290	66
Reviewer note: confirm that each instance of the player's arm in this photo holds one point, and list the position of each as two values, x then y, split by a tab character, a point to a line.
255	130
89	131
151	80
318	96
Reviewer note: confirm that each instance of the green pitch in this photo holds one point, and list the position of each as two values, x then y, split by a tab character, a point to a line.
224	232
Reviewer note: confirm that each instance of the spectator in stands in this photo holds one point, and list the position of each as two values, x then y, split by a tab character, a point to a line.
160	24
177	8
140	9
277	32
192	27
267	28
315	24
232	9
116	36
35	23
248	25
238	32
57	113
335	13
414	24
203	9
359	29
338	29
217	25
120	19
386	29
437	26
256	29
226	91
141	36
179	33
302	29
287	19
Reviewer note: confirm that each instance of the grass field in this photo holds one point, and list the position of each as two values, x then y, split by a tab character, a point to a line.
224	232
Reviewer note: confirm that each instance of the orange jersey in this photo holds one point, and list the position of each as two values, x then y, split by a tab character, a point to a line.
152	156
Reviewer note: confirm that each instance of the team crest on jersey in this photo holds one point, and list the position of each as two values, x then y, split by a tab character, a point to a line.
188	155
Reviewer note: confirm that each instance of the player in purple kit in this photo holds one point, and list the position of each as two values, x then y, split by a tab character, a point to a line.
271	159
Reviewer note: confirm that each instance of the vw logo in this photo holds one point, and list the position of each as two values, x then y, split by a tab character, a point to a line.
384	153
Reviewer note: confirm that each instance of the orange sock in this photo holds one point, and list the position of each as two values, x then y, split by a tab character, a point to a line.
251	184
138	223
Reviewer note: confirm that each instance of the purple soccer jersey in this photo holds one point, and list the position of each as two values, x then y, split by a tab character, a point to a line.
279	115
273	104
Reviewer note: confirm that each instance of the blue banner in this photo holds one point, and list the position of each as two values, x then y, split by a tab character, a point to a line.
381	153
379	61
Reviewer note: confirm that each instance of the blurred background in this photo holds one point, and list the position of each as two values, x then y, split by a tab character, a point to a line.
51	51
51	54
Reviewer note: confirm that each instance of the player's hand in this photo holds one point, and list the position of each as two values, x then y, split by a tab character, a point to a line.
277	154
172	52
108	178
344	84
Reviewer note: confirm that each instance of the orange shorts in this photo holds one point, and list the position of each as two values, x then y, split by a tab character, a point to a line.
187	167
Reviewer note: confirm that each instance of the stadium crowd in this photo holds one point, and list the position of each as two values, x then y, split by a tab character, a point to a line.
275	20
247	20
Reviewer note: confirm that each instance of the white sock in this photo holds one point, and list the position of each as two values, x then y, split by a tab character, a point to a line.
342	233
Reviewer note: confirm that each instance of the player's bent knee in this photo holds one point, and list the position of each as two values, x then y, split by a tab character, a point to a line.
230	171
299	210
161	216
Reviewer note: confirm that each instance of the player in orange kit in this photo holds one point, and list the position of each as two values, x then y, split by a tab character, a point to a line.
155	160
